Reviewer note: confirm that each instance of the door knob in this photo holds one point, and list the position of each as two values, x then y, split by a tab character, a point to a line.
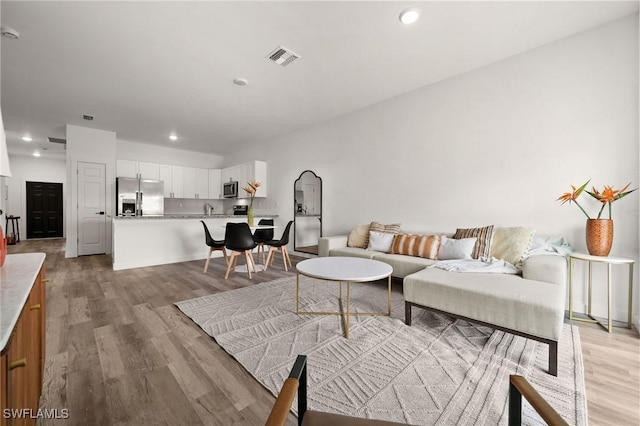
100	213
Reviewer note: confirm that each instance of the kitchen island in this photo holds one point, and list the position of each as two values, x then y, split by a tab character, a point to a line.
140	241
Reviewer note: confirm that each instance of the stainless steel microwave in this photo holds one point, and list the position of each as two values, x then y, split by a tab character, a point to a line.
230	189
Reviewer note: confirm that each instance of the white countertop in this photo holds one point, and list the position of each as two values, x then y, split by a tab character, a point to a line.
17	276
191	216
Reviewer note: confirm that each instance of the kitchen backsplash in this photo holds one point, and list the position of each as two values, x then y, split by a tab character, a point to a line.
192	206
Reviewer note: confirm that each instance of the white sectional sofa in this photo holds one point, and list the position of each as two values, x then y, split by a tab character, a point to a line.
530	304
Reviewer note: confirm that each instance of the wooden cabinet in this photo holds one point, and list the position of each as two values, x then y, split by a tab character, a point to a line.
215	184
126	168
173	178
22	358
179	181
137	169
253	170
196	183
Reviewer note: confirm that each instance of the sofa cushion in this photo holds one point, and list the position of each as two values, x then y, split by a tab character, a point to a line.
511	244
456	248
359	236
352	252
484	236
380	241
510	301
416	245
403	265
393	228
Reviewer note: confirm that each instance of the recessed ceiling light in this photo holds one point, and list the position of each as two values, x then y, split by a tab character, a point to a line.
36	154
27	138
173	137
409	16
240	81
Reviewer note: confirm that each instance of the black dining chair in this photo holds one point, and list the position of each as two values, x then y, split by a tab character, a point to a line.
261	236
213	245
281	244
239	240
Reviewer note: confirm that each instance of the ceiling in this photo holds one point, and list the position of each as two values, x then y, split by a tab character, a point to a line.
146	69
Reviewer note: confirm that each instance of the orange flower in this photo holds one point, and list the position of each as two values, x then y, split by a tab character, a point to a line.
609	195
251	189
573	196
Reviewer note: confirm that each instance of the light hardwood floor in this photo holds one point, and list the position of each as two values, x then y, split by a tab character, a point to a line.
120	353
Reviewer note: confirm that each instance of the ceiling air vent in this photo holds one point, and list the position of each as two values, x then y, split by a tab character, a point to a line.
57	140
283	56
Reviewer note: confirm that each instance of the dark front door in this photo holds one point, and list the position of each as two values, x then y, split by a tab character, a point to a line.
44	210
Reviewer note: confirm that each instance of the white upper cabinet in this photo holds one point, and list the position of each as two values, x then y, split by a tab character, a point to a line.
177	182
165	176
243	173
202	183
137	169
149	171
127	168
173	178
196	183
215	184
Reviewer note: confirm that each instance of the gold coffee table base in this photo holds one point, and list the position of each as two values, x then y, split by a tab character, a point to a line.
348	314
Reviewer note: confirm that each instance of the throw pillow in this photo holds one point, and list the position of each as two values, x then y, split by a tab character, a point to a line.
393	228
358	236
461	248
511	244
416	245
483	244
380	241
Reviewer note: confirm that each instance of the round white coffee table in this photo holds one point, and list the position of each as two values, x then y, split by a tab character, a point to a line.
344	269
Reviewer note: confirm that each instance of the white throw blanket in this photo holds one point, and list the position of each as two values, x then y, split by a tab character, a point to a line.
486	265
552	245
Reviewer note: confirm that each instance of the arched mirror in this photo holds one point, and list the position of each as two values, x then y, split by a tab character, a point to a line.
307	212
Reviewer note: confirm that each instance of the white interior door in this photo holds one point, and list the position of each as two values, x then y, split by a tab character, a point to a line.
92	219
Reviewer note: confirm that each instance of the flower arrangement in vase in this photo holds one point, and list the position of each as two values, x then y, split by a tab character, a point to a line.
599	232
251	189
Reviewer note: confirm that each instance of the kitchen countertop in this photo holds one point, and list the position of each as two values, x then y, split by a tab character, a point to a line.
192	216
16	280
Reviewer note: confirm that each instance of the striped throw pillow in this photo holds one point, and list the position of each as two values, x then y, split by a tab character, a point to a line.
483	244
393	228
416	245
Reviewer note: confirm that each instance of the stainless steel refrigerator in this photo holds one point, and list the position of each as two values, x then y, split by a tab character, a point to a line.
139	197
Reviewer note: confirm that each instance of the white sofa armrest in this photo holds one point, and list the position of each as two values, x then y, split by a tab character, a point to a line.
546	267
325	244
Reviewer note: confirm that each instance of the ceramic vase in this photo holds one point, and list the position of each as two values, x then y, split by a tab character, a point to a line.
250	216
599	236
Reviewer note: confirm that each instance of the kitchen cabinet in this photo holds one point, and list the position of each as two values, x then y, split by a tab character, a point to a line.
137	169
173	178
243	173
195	182
215	184
23	342
149	171
202	183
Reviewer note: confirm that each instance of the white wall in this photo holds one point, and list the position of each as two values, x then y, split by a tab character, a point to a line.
92	146
126	150
32	169
496	145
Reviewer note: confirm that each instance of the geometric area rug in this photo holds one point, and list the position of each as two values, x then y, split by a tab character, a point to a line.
438	371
